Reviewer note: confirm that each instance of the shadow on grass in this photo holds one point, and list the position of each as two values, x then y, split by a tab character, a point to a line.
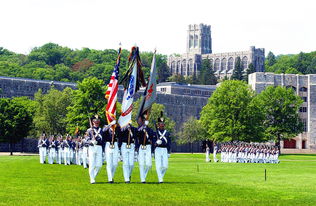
153	183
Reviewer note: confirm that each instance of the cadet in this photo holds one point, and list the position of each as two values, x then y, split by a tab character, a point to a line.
162	149
85	149
206	146
145	140
95	141
42	147
60	149
52	150
215	149
111	149
67	145
127	141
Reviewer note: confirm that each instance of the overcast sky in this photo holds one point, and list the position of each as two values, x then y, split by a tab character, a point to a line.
280	26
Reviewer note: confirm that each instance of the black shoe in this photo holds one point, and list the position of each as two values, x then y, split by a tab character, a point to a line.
144	182
127	182
160	182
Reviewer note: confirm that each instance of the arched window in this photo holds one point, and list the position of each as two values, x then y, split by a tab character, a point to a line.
195	40
173	67
230	63
184	67
303	89
191	41
191	67
292	87
178	67
244	62
216	66
223	65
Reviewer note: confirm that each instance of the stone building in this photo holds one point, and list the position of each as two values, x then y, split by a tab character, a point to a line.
305	87
15	87
199	47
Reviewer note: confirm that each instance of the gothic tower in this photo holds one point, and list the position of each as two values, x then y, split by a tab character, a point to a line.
199	40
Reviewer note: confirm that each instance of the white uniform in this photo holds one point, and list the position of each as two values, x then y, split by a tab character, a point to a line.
42	150
161	153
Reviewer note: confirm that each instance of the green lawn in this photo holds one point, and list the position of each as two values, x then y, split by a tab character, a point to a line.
189	181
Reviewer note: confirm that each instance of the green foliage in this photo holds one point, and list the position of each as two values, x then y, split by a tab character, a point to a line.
192	130
207	76
280	106
87	101
51	110
270	59
304	63
238	71
232	114
251	69
177	78
15	118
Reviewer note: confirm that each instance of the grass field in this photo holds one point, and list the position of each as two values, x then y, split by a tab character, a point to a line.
188	181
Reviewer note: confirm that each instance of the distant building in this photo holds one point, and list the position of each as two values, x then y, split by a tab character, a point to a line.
305	87
16	87
199	47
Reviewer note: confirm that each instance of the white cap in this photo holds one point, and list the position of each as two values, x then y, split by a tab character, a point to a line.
146	122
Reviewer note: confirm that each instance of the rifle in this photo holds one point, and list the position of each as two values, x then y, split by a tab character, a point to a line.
113	133
93	137
128	146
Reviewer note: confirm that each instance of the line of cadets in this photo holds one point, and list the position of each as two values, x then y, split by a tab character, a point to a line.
241	152
104	144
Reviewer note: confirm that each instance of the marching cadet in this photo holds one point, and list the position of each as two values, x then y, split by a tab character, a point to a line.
111	149
79	147
42	147
145	141
67	145
52	150
72	150
95	141
60	149
85	149
162	149
206	146
127	141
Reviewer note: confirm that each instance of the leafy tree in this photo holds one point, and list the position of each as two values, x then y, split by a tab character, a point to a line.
207	76
271	60
238	71
232	114
311	69
50	115
192	130
177	78
280	106
292	70
15	120
251	69
88	100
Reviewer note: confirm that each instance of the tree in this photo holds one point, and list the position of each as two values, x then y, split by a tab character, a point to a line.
50	115
177	78
88	100
192	130
238	71
207	76
280	106
271	60
15	120
232	114
251	69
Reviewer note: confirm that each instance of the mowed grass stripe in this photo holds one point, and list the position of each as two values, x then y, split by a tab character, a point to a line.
189	181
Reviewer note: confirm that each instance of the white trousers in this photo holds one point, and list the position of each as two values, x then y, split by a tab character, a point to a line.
42	153
111	156
144	161
84	156
161	159
60	155
95	161
207	155
214	156
128	160
51	155
67	155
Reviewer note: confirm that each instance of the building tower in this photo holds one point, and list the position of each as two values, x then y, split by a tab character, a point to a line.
199	40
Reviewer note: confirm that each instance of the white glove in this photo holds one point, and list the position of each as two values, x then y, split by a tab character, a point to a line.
94	142
159	142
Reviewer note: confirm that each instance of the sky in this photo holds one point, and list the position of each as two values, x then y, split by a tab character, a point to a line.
280	26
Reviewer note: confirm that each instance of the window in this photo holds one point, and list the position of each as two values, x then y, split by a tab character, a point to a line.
304	99
216	66
304	125
303	89
223	66
303	109
244	62
163	89
230	63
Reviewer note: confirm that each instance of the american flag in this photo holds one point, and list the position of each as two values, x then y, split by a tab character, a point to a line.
111	93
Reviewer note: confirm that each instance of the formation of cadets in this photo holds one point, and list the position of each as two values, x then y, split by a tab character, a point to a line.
241	152
99	145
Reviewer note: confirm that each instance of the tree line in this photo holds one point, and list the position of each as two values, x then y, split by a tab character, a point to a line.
54	62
